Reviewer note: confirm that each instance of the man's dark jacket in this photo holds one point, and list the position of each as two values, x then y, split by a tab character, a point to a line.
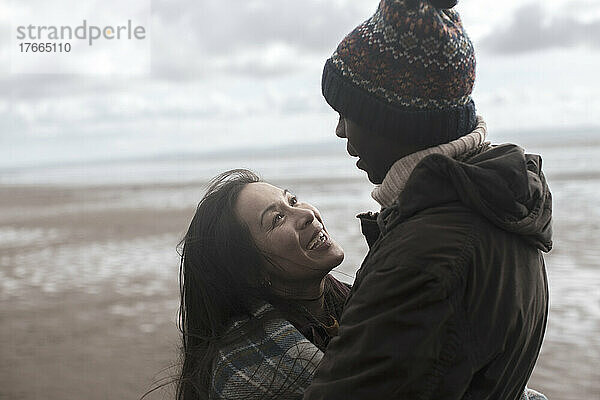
452	300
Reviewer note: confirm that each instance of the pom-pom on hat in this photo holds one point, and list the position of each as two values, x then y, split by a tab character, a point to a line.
408	71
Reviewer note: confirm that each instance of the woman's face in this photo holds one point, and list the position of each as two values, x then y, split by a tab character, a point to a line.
289	232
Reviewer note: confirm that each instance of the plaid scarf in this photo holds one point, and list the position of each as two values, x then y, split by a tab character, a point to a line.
277	360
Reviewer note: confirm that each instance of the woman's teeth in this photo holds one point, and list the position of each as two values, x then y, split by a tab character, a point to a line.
318	241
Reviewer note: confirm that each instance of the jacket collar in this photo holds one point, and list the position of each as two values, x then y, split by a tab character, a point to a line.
395	180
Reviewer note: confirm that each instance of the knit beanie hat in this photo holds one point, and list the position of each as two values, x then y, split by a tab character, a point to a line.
407	72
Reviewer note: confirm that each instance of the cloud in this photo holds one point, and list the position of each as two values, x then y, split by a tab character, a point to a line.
224	26
255	37
196	39
86	111
531	29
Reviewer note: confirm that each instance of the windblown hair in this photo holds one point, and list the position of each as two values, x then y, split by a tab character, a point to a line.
220	274
220	278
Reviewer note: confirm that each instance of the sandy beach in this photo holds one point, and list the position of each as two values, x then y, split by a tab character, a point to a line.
77	333
89	291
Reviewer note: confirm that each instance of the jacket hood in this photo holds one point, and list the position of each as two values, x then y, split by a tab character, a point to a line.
503	184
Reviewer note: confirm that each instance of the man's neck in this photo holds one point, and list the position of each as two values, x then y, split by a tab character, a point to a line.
395	179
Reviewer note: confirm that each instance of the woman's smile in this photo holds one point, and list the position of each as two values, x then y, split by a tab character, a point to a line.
289	232
320	241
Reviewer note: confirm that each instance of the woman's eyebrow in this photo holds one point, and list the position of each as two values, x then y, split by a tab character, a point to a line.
271	208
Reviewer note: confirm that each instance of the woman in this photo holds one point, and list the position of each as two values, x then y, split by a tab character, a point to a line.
258	307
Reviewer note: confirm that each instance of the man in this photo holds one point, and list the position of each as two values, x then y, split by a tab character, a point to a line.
451	301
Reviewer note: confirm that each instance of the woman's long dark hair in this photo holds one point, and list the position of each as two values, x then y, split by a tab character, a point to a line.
220	274
220	278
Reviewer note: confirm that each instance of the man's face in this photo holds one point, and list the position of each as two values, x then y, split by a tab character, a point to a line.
376	153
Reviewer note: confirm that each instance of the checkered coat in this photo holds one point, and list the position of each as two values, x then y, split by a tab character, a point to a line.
275	362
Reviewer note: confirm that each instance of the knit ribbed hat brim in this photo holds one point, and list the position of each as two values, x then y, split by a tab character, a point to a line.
372	112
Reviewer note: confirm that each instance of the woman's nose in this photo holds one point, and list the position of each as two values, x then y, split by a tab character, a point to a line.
305	217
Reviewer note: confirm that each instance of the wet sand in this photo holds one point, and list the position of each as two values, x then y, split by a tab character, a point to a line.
84	336
89	291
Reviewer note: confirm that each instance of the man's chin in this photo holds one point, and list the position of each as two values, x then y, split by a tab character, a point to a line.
373	177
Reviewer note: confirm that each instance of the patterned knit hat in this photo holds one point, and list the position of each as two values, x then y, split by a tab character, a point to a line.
408	71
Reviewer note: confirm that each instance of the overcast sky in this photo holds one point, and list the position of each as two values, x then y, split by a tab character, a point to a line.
228	73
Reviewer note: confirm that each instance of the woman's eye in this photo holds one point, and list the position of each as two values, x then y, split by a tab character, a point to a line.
277	218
